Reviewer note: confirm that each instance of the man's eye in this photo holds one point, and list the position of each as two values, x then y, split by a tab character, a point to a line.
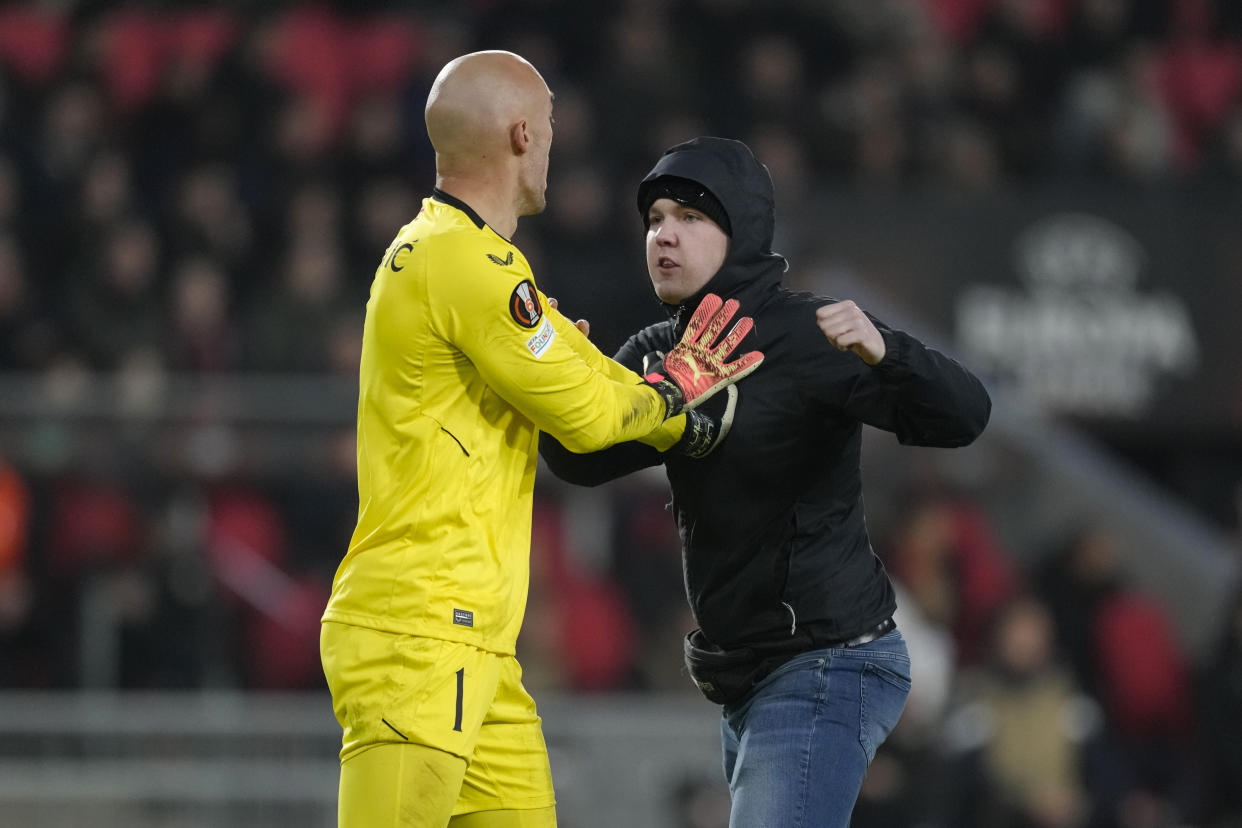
692	216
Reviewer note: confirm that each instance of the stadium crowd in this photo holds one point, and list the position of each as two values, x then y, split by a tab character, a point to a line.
205	190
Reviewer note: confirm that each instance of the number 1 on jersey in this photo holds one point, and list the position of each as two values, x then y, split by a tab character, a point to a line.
461	684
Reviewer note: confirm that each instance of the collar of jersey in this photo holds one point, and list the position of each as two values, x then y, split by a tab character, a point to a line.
454	201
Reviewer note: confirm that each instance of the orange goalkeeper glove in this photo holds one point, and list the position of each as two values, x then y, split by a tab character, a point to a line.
694	370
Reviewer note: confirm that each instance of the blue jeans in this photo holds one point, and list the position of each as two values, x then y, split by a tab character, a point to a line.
796	749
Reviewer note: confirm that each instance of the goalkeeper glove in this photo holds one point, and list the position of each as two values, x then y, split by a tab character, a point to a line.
707	425
694	370
705	430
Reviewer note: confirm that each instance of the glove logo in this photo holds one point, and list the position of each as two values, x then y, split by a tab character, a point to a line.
524	304
698	375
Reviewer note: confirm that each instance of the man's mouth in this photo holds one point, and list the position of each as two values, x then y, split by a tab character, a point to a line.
665	263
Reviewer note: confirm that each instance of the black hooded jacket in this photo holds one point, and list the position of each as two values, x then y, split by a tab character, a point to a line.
775	545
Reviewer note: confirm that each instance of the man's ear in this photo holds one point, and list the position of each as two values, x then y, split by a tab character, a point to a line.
519	138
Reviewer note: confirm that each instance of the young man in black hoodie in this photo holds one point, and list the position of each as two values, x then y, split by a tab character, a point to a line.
796	638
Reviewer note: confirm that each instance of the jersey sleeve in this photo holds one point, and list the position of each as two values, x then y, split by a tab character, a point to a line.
521	347
670	431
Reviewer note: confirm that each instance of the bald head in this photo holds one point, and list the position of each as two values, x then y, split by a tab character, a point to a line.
489	118
477	98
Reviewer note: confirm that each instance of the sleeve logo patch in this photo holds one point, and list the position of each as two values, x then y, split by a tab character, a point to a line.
463	618
505	262
524	304
539	343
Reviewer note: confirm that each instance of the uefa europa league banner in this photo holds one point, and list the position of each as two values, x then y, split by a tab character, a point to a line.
1100	307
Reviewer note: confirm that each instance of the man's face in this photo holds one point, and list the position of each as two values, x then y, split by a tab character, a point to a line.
534	175
684	249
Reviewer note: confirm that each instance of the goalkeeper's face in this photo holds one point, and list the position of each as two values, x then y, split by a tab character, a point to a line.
533	172
684	249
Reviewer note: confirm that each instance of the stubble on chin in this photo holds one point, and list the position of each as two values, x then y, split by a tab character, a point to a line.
532	202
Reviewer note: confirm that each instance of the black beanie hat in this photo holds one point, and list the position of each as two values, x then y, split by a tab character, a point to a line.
686	193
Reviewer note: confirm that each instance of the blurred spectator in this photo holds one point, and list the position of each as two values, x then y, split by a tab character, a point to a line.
96	525
772	79
969	161
863	125
377	141
27	335
288	320
110	613
579	632
1012	72
1115	122
106	192
948	560
74	127
1123	650
645	78
15	585
204	337
933	663
1019	728
1098	32
313	211
209	217
14	520
589	241
114	305
275	609
787	159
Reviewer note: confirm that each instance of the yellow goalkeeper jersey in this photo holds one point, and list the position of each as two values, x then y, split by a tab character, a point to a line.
463	363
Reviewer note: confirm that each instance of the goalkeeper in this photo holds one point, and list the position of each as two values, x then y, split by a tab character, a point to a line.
463	363
795	634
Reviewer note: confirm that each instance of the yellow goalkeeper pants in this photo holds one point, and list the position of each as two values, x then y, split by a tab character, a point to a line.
409	786
434	730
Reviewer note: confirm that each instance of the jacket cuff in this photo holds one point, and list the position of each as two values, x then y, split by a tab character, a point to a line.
896	361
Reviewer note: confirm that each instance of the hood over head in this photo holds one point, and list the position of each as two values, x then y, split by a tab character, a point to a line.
739	183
